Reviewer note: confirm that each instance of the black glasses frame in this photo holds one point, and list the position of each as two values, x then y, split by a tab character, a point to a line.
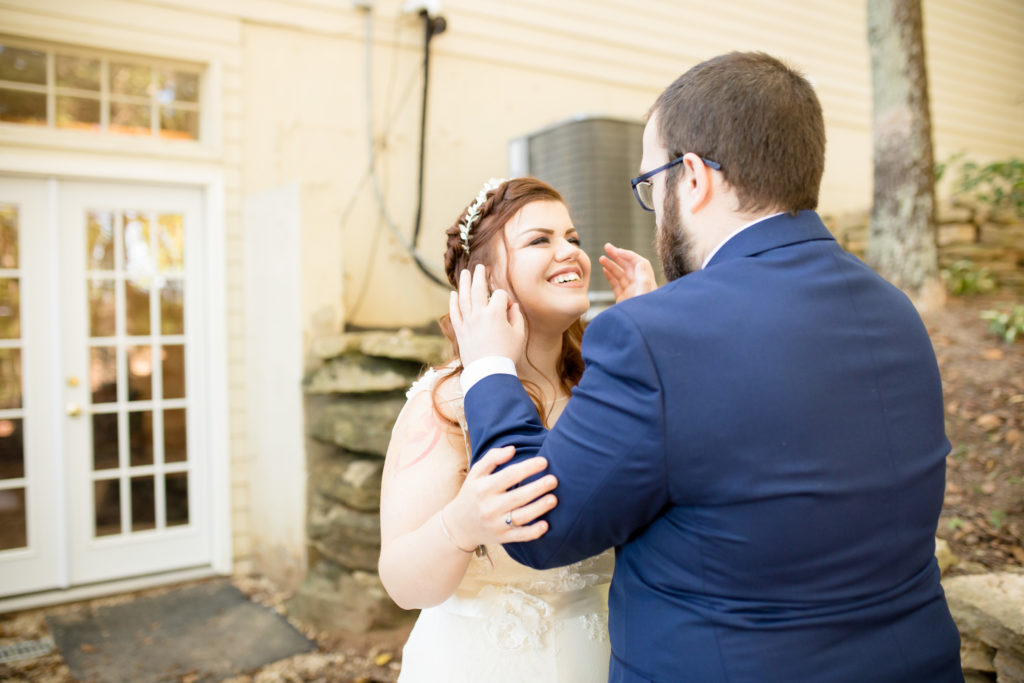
646	177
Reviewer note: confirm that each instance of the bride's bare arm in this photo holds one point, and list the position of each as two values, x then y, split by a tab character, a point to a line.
425	478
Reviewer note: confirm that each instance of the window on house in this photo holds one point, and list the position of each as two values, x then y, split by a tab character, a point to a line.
96	92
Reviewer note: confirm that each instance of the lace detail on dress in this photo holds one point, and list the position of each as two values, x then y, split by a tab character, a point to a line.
513	618
595	625
573	577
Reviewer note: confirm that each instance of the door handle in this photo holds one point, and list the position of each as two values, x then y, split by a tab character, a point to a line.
74	409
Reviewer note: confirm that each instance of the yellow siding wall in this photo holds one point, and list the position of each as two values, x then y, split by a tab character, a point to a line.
503	69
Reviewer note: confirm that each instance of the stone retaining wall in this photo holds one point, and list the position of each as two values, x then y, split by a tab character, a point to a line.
989	611
353	399
989	240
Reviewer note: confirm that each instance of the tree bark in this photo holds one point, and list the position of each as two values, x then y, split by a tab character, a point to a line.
902	240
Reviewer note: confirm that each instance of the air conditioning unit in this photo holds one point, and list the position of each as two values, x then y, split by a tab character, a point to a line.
590	161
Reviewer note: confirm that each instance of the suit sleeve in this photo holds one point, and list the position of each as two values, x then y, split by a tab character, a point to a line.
607	448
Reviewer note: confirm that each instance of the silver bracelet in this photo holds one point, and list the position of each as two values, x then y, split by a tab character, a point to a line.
448	534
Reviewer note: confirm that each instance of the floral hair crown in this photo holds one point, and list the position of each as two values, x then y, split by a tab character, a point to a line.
473	212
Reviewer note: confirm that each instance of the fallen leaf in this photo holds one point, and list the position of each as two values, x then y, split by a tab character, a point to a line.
383	658
988	487
988	421
992	354
86	647
1018	553
1012	436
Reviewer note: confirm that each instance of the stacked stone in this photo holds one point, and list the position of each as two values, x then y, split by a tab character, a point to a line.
989	611
987	239
353	399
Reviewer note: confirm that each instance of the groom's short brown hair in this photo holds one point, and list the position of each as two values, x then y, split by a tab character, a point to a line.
758	118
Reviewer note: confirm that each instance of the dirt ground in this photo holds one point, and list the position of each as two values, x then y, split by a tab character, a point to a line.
982	518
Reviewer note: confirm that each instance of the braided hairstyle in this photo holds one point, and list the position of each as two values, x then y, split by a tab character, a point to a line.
499	207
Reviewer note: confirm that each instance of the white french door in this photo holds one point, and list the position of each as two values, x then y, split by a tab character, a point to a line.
109	479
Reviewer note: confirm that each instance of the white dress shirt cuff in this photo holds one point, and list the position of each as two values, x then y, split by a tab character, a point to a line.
483	367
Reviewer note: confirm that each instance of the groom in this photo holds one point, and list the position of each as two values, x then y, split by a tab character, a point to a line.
762	440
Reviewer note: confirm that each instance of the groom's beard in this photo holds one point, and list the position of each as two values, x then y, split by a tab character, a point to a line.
674	242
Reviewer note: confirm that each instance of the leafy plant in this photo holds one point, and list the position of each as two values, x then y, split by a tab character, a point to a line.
954	524
961	277
999	184
1007	324
996	518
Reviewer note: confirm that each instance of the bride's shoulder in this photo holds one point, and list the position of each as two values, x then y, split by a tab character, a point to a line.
440	386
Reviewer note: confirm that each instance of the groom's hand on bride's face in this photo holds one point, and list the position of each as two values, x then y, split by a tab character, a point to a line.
485	325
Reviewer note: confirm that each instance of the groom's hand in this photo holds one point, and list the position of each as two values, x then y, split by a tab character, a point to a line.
628	273
485	325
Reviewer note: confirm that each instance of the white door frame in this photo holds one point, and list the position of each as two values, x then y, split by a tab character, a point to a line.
213	336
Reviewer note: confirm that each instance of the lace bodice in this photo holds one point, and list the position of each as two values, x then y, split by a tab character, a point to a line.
521	605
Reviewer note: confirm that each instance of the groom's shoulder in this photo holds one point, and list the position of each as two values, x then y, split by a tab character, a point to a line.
688	293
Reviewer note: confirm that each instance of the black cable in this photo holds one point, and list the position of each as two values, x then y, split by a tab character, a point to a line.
431	27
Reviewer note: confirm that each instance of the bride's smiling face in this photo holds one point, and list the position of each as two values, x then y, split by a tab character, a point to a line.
549	274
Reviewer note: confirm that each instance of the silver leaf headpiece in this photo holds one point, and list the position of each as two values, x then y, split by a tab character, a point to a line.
473	212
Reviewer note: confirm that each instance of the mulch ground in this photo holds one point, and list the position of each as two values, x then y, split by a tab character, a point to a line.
982	519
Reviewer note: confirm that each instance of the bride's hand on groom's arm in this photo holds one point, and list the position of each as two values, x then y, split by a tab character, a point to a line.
628	273
488	510
485	325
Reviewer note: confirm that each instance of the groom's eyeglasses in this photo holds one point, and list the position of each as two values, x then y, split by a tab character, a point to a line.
642	189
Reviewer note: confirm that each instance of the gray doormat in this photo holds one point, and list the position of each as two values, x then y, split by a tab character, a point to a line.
207	632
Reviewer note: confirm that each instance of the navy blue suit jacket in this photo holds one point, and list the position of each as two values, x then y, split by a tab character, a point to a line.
763	443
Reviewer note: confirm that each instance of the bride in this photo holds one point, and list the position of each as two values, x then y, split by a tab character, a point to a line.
484	616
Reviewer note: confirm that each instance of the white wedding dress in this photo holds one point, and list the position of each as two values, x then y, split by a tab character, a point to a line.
507	623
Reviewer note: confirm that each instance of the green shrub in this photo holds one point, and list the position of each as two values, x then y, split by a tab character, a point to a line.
1007	324
961	277
999	185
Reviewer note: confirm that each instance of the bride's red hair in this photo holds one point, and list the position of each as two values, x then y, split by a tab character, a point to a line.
500	205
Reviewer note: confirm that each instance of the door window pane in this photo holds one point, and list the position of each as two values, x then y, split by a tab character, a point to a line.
10	308
103	374
172	307
176	498
143	503
18	106
8	236
107	506
175	436
82	113
174	371
102	308
130	119
12	449
10	379
140	437
13	532
140	373
136	295
170	242
104	441
82	73
23	66
99	247
138	258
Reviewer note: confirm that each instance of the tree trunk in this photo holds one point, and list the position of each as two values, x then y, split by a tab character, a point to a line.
902	242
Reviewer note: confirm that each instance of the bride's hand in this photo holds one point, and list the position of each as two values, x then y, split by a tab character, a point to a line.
629	273
485	511
485	325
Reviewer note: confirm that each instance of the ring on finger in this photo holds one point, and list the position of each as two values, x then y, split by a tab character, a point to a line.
508	518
